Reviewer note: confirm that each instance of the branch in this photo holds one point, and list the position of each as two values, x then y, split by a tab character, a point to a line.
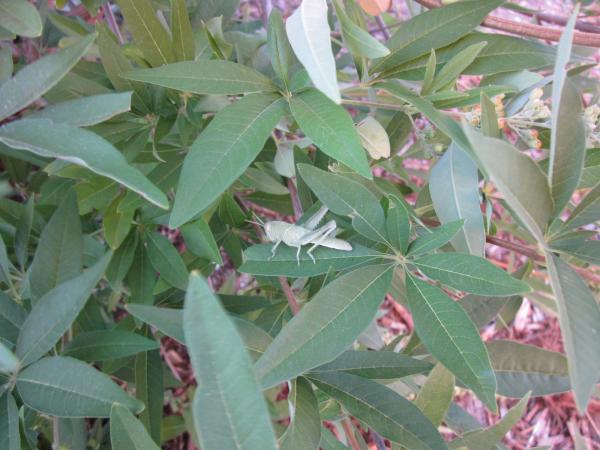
528	29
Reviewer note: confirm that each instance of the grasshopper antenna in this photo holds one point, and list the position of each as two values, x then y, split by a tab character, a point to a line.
258	221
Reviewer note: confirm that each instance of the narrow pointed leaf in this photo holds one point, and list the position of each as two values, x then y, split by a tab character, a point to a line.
10	438
330	127
436	28
167	261
308	32
229	410
82	147
9	363
359	42
149	389
387	412
105	345
200	241
488	438
223	152
436	395
183	35
587	211
304	431
379	365
37	78
451	337
149	34
215	77
258	261
127	432
455	67
518	178
470	274
59	254
326	326
435	238
52	315
66	387
397	225
20	17
280	50
578	315
521	368
349	198
454	188
567	141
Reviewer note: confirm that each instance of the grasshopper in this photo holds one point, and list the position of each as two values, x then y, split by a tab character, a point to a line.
294	235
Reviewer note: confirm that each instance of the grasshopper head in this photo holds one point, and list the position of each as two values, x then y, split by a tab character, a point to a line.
268	227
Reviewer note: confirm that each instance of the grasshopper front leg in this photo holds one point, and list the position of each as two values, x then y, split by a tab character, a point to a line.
274	249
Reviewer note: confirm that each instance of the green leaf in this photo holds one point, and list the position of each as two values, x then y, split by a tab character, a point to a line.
258	261
207	9
567	141
448	126
59	253
578	316
397	225
20	17
223	151
518	178
23	233
149	34
149	389
127	432
349	198
167	261
308	33
436	28
9	363
10	438
181	28
482	310
470	274
436	395
379	365
65	387
12	316
141	278
454	189
115	64
122	260
582	248
489	117
521	368
200	241
280	50
359	42
116	223
229	410
385	411
451	337
435	238
167	320
54	313
326	326
330	127
304	431
86	111
35	79
488	438
215	77
454	68
587	211
82	147
103	345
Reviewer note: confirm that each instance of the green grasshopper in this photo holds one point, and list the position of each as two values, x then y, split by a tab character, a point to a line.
294	235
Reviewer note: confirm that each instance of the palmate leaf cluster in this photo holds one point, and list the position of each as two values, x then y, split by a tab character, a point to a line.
134	163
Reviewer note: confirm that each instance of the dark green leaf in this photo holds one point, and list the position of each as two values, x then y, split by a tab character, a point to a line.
215	77
10	439
149	389
54	312
82	147
223	151
376	365
330	127
451	337
200	241
304	431
107	344
181	28
435	238
9	363
37	78
127	432
470	274
349	198
229	411
65	387
280	51
452	69
326	326
387	412
167	261
397	225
